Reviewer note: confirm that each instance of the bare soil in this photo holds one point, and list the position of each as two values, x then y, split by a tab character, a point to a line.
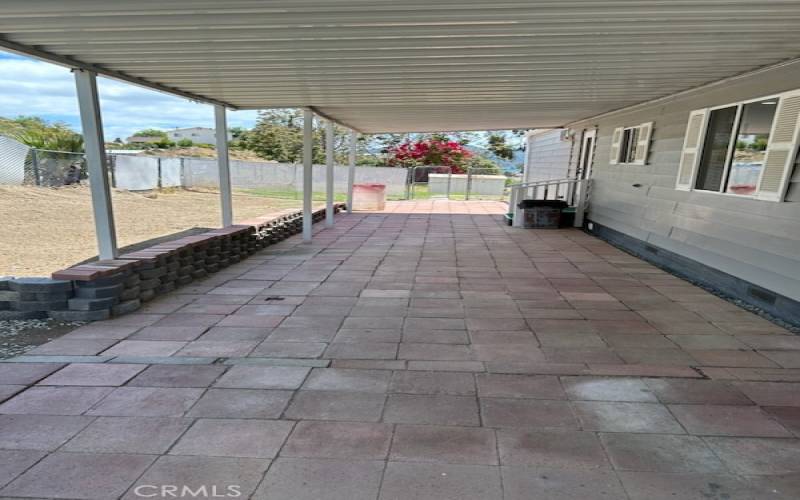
46	229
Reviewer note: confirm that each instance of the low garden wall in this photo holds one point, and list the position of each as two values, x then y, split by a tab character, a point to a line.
490	185
140	173
105	288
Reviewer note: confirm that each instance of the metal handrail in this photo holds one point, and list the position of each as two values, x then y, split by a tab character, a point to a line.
539	183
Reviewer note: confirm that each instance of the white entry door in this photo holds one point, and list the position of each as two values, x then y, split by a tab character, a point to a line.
587	154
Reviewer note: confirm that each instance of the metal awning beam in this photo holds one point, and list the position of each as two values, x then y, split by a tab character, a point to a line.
116	75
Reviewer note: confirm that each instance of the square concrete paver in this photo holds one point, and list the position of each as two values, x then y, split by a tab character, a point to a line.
568	449
455	384
26	373
335	405
93	374
361	350
660	453
302	334
626	417
725	420
313	479
233	438
527	413
289	349
440	481
233	333
519	386
170	333
6	391
55	400
519	483
696	392
38	432
263	377
144	348
455	445
768	456
218	348
178	376
241	403
787	416
771	393
347	440
336	379
80	475
431	409
67	347
220	476
147	402
15	462
608	389
664	486
152	435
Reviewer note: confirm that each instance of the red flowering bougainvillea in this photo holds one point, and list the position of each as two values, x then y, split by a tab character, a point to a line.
430	152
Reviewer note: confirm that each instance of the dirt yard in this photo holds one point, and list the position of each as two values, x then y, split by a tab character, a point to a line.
45	229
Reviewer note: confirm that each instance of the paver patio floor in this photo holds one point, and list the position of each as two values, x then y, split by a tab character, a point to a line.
425	352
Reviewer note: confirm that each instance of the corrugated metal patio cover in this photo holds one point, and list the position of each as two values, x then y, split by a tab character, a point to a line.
414	65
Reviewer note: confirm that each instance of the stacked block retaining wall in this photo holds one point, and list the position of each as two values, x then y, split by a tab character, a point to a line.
106	288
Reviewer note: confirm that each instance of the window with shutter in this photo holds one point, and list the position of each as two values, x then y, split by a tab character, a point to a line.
643	143
616	139
782	148
743	149
690	153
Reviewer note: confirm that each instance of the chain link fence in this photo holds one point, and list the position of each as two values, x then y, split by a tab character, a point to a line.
21	165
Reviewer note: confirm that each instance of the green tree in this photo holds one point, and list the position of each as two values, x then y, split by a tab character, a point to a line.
480	165
151	132
496	143
37	133
278	136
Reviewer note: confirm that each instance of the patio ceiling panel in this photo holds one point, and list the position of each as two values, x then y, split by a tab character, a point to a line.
387	66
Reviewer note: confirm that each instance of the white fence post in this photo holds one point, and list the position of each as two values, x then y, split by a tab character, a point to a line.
94	145
223	162
308	172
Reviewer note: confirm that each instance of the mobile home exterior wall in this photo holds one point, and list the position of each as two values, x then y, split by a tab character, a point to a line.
547	155
753	240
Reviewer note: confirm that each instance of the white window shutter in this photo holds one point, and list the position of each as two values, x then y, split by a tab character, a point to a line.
616	139
782	148
643	144
692	147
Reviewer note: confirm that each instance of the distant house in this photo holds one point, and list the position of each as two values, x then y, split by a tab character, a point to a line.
198	135
143	139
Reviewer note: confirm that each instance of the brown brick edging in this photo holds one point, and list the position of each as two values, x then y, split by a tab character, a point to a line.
105	288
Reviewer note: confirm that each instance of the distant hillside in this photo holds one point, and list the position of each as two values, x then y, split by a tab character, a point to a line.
511	166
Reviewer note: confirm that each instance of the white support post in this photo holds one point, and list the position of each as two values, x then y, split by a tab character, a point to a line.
329	161
223	163
94	145
308	173
351	170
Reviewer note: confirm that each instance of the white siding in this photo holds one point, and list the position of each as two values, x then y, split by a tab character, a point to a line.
547	156
758	241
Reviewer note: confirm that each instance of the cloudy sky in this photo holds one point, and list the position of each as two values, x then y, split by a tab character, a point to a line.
35	88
